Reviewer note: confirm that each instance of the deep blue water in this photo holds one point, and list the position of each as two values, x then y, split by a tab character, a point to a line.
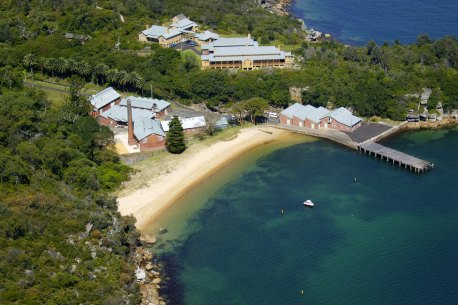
358	21
389	238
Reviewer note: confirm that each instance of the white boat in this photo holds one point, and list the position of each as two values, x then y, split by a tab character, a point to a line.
309	203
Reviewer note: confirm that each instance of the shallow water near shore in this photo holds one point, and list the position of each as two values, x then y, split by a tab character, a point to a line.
388	238
356	22
176	218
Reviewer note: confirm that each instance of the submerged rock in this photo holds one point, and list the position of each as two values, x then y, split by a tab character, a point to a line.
156	281
148	238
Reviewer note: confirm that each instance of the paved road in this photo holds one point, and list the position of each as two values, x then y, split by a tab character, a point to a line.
368	131
332	135
184	46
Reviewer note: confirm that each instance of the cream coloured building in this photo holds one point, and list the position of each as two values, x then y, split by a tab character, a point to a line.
181	29
243	53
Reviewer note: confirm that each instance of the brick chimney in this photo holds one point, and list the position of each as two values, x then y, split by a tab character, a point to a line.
130	125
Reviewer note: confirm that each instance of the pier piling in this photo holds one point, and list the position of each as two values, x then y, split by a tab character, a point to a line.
403	159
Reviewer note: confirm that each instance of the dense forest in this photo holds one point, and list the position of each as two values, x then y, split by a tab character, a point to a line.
61	238
372	79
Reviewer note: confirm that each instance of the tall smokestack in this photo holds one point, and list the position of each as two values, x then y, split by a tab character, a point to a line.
130	125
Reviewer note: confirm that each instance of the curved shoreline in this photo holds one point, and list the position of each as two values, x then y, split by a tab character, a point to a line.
148	203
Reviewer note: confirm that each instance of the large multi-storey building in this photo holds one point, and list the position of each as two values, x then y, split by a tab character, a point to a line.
243	53
181	29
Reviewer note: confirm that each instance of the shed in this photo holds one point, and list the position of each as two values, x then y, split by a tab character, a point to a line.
221	123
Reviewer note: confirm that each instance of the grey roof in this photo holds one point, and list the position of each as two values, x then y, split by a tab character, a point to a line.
206	35
184	24
291	110
119	113
318	114
229	42
313	114
299	111
222	121
172	33
241	53
180	17
187	123
143	127
252	50
155	31
234	41
342	115
212	58
104	97
145	103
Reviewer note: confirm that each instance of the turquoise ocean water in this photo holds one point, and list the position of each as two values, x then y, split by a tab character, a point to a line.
358	21
389	238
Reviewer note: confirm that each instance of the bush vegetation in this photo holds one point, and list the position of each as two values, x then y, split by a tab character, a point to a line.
61	238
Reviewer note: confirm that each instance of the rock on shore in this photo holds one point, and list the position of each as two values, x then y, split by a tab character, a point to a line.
147	275
279	7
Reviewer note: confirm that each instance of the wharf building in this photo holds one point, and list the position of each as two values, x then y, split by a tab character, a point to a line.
243	53
319	118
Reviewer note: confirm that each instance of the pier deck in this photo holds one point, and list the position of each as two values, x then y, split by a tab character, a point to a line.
369	146
395	156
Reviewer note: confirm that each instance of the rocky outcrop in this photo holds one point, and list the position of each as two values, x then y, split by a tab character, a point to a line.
148	276
148	239
278	7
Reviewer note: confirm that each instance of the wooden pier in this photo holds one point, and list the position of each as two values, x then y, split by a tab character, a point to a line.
392	155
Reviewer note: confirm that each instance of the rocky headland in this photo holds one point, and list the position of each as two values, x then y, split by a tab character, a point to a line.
278	7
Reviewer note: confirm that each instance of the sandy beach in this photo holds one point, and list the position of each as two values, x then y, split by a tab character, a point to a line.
148	202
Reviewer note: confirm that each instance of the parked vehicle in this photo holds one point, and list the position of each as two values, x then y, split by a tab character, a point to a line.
273	115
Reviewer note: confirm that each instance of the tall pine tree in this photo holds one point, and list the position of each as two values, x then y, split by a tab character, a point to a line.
175	139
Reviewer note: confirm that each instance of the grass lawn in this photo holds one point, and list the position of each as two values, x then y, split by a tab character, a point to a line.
190	54
53	86
165	162
56	98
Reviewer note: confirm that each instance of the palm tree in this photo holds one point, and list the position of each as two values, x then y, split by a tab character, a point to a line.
136	80
72	66
141	84
111	75
29	61
51	65
61	66
42	63
100	71
84	69
122	78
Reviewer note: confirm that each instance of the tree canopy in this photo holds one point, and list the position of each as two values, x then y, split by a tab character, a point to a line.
62	239
175	141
